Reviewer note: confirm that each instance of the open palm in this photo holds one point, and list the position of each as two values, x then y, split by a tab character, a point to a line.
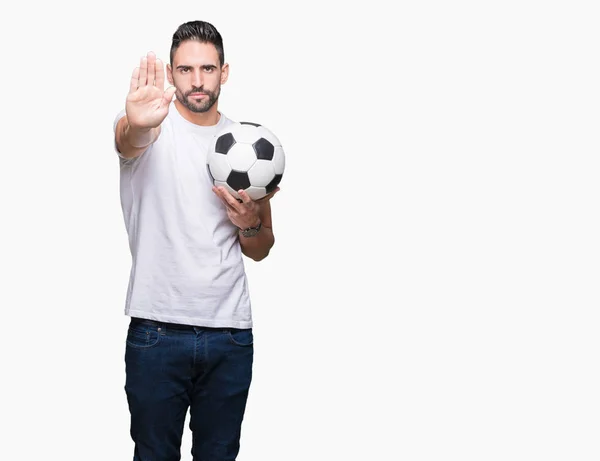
147	103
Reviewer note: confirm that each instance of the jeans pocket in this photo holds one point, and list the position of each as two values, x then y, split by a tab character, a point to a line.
241	337
142	336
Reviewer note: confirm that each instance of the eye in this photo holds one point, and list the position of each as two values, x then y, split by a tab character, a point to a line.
185	70
208	68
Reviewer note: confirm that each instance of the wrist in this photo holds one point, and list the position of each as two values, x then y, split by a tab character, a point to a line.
251	231
139	137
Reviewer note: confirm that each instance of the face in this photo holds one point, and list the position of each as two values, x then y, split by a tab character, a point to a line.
197	75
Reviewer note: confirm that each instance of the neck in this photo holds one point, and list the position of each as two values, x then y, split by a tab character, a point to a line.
209	118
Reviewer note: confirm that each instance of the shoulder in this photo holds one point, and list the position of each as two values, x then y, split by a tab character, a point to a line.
225	120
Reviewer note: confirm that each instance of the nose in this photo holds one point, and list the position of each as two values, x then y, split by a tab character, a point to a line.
197	78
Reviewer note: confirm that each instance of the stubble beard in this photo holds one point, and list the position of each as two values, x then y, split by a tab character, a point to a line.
200	106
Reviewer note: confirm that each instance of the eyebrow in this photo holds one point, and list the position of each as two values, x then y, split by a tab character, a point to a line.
212	66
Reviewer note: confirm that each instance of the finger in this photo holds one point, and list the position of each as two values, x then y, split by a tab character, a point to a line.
245	197
151	59
160	75
228	199
231	200
219	193
133	86
168	95
143	80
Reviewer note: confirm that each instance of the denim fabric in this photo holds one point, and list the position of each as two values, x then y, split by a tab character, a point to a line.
172	368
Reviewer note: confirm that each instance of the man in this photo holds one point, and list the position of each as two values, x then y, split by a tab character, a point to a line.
190	343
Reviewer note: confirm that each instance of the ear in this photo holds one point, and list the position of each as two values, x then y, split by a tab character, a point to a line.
170	74
224	73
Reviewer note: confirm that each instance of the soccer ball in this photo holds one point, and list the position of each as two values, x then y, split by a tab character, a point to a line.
247	156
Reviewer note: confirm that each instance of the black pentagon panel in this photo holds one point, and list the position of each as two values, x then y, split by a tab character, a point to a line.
224	143
264	149
238	180
249	123
273	184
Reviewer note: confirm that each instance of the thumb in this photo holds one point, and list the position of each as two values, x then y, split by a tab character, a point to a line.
168	95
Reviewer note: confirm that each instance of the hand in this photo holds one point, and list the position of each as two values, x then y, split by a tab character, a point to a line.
147	103
246	213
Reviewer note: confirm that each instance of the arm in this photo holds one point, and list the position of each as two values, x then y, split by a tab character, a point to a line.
132	142
258	247
249	213
146	107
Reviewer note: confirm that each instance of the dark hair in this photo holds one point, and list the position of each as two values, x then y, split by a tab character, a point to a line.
200	31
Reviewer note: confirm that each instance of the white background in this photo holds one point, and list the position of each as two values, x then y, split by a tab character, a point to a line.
433	291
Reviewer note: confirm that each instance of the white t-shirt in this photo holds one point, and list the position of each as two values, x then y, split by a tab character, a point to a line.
187	264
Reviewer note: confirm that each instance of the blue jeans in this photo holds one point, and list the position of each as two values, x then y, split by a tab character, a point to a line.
171	368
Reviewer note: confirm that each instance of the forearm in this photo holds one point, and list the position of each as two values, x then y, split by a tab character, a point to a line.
133	141
258	247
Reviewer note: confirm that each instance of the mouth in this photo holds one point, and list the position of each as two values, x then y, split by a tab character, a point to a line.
198	95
